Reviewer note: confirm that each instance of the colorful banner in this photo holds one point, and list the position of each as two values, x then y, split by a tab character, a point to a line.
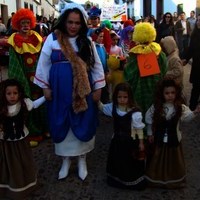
114	12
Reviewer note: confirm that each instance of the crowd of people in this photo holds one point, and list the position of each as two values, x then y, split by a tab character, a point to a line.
61	75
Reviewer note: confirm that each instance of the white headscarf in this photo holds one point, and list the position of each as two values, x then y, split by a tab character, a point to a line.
66	6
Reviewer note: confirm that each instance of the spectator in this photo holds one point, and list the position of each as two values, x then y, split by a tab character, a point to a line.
2	27
9	23
183	32
194	53
192	20
166	27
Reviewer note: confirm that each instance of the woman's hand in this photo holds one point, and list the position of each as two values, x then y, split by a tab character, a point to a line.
96	95
47	94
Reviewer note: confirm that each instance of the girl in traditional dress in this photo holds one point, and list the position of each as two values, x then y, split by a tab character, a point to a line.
166	167
125	164
18	172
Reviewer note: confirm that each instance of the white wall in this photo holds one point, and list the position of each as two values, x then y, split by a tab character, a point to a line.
188	5
138	7
11	6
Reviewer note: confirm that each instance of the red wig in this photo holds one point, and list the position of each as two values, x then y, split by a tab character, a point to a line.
23	13
128	22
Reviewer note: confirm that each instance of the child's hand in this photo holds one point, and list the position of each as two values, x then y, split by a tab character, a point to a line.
47	94
96	95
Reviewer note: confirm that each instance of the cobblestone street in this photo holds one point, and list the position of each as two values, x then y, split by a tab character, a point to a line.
95	187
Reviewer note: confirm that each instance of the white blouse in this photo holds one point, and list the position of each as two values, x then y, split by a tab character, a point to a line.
169	109
136	123
44	64
14	110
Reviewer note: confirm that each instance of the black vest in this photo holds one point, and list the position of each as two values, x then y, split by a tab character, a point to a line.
167	127
13	127
122	124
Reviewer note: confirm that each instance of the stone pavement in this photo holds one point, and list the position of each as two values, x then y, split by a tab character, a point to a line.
94	187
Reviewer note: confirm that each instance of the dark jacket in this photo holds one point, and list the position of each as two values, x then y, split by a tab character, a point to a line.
194	53
179	28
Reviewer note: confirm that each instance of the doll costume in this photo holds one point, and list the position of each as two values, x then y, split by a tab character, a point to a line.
18	171
124	168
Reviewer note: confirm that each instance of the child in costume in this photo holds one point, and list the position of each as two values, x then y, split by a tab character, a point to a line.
115	49
116	70
25	47
174	63
125	40
166	167
18	172
98	40
94	18
125	164
147	64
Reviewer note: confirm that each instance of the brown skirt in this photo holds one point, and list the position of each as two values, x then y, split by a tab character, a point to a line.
166	167
18	172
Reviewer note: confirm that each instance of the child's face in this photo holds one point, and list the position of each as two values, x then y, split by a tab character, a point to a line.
122	98
115	40
169	94
100	38
12	95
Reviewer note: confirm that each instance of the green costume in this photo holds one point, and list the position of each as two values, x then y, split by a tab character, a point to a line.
143	87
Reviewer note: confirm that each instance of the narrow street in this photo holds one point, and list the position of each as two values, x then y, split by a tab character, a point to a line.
95	187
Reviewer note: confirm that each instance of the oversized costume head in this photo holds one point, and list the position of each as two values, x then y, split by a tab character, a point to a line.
23	14
144	33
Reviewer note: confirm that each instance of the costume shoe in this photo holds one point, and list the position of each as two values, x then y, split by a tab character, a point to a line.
82	167
64	168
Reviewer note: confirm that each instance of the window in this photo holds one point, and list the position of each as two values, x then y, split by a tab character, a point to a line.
31	7
25	5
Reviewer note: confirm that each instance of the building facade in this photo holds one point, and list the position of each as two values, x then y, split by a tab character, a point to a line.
143	8
45	8
158	7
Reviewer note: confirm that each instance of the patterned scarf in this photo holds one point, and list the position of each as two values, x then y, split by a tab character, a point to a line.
81	85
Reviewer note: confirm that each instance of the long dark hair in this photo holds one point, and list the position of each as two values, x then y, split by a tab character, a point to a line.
84	44
171	22
159	100
125	87
3	100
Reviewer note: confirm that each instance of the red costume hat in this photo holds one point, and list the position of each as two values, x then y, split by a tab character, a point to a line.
21	14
